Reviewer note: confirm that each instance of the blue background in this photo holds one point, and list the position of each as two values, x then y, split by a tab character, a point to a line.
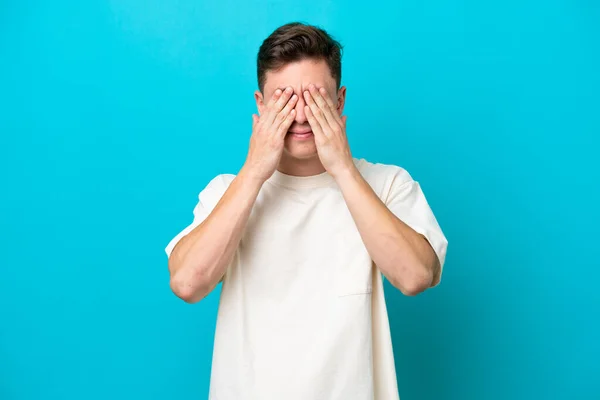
114	115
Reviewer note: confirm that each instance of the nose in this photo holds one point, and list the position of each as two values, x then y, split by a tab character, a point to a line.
300	115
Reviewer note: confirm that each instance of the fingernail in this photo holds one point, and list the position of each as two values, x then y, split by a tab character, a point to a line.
288	90
294	97
278	92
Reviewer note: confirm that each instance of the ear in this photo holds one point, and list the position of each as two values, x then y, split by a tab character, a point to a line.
341	100
260	105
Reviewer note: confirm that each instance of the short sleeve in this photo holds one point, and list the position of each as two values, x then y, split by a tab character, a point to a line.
407	201
207	200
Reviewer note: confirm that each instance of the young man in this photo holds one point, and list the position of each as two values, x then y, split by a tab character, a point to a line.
300	239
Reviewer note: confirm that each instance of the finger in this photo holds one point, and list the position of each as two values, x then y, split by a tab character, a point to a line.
317	112
287	109
268	114
287	122
314	124
317	94
279	104
283	99
276	95
255	120
283	114
330	104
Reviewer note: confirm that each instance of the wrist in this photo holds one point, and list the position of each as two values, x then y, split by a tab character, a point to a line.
251	177
347	172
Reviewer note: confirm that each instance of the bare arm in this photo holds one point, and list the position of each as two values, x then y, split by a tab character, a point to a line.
200	259
404	256
198	262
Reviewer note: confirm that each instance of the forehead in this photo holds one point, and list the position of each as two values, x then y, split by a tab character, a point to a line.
299	75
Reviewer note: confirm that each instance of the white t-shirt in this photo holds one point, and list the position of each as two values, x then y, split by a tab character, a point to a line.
302	313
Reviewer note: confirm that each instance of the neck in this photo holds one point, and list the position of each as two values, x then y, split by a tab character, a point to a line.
300	167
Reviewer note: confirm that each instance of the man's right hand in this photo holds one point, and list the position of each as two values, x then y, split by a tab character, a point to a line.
268	134
200	259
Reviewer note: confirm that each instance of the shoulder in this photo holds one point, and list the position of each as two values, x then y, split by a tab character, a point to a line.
221	181
382	174
216	187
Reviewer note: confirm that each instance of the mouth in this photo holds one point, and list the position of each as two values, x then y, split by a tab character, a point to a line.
300	135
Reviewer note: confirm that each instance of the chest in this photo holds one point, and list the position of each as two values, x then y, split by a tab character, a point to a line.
305	241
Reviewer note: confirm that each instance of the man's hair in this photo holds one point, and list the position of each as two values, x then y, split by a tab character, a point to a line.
295	42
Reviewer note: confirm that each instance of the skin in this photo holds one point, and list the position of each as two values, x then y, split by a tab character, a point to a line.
300	158
301	96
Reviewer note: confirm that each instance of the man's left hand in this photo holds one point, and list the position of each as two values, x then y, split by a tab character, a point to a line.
329	130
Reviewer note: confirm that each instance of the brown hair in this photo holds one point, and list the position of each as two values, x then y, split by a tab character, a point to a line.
294	42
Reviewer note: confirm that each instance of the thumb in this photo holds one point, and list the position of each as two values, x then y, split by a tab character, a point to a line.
254	120
344	118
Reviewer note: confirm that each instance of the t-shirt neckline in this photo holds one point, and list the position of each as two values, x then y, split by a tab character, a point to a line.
313	181
320	180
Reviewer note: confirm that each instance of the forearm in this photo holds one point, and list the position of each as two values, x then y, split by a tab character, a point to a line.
403	255
200	259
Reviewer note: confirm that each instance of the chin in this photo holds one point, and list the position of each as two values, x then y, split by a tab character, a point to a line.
302	151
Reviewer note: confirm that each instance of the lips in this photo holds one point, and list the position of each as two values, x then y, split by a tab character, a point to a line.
301	135
300	132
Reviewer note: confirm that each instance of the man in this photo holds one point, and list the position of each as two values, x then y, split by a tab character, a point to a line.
300	239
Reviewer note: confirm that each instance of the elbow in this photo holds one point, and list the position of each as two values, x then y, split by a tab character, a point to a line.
415	282
413	289
183	290
189	290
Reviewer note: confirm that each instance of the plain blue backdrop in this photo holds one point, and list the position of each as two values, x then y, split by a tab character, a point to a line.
114	115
